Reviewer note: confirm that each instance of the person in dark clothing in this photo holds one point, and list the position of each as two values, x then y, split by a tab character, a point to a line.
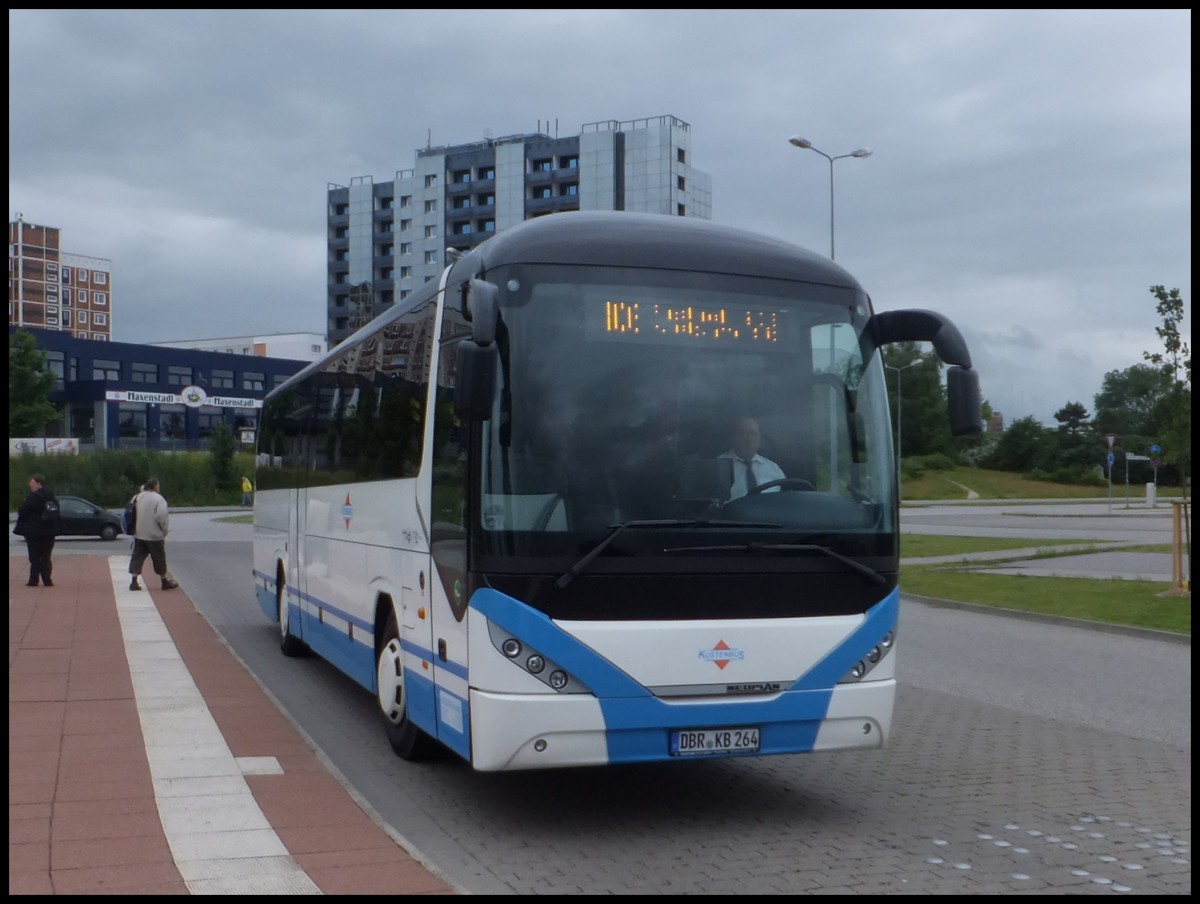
38	532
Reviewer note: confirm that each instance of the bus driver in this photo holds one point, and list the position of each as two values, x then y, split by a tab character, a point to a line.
749	468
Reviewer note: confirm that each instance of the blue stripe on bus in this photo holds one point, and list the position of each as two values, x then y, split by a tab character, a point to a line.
334	610
357	660
636	720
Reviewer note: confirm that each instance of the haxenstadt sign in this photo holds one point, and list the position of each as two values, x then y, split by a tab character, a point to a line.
192	396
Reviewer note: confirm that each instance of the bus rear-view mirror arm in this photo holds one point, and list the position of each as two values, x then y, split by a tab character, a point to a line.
964	402
922	326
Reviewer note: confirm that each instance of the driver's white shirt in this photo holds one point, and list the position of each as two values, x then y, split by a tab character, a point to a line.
765	471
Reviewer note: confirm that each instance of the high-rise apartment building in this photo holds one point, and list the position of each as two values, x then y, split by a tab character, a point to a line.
53	290
386	238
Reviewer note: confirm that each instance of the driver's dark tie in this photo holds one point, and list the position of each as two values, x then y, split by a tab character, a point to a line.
751	482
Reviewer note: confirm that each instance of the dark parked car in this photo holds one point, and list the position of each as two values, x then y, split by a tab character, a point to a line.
78	517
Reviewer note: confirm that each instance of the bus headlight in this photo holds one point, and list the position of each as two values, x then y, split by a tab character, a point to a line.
875	655
534	662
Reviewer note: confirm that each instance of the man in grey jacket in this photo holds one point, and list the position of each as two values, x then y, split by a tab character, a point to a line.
150	536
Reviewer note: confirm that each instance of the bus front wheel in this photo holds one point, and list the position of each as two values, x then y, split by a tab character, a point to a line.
406	739
289	643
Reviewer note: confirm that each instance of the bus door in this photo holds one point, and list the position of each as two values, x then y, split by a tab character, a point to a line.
446	568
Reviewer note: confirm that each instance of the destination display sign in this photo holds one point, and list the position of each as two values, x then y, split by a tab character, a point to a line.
638	321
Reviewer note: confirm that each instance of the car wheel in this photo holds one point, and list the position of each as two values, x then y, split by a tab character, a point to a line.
109	532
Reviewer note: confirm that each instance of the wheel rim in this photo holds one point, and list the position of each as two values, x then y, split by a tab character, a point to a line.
389	676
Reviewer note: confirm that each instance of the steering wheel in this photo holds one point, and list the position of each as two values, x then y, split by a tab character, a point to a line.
784	483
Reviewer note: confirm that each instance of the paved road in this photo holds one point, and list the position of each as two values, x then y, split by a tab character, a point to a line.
1109	525
1041	521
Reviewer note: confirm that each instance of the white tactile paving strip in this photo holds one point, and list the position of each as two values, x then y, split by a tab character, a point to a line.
221	841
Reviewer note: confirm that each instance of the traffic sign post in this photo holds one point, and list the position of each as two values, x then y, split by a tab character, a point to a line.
1109	469
1111	438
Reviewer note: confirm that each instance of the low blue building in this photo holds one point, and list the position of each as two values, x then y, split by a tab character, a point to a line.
121	395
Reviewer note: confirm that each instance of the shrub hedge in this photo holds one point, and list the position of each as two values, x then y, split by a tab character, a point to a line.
109	477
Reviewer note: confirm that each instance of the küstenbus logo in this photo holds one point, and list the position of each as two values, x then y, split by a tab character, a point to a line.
722	654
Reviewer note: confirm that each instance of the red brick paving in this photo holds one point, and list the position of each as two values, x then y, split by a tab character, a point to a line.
82	816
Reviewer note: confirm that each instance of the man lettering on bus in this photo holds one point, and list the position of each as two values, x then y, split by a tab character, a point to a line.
750	469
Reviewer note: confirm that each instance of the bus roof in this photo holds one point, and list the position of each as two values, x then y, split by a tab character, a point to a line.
618	238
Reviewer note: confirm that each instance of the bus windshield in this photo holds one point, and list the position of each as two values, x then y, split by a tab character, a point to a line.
697	413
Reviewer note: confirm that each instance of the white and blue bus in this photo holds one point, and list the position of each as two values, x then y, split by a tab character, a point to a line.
508	506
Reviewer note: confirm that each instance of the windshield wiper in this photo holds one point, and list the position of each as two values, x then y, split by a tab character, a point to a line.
853	564
615	529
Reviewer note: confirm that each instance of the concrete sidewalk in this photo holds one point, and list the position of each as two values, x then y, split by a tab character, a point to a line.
145	759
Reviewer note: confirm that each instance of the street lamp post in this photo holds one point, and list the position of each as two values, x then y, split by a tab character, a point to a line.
799	142
899	431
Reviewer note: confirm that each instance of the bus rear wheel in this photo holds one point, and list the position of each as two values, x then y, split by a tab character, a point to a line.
408	741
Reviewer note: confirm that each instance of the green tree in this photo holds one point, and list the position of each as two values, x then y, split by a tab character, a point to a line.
1072	418
221	448
29	385
1076	439
1126	401
1172	415
1024	446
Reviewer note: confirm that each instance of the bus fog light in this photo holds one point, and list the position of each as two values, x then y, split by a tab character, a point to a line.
540	745
558	679
535	663
859	669
511	648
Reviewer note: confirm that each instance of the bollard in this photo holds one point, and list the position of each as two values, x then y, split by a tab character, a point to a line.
1151	493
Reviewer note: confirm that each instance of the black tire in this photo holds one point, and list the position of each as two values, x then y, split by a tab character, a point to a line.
289	644
408	741
109	532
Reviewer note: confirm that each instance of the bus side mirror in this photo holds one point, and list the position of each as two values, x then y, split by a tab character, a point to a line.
475	374
963	401
962	383
475	380
482	309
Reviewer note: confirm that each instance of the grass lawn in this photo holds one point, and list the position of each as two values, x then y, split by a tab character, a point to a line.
1142	604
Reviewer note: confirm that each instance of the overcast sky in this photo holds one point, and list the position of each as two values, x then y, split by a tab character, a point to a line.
1031	175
